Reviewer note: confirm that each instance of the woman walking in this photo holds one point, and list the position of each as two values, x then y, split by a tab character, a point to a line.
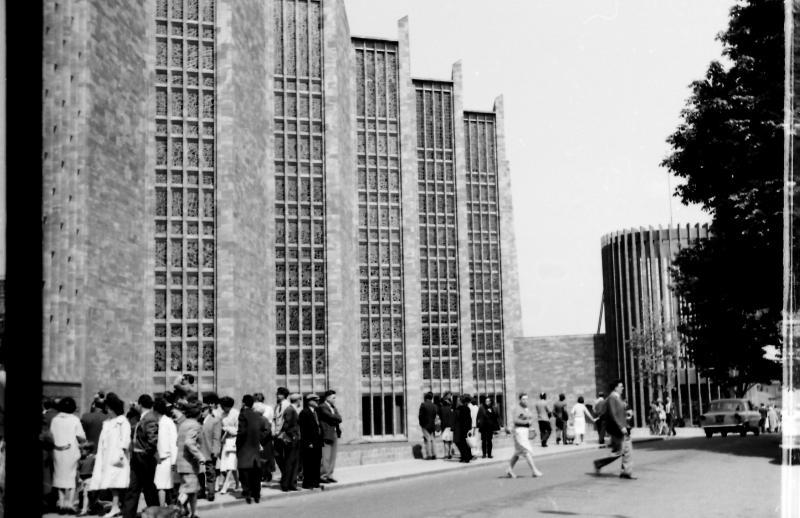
579	416
67	433
488	423
523	417
112	469
167	450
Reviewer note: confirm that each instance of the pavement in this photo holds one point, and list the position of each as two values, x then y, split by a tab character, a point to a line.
376	473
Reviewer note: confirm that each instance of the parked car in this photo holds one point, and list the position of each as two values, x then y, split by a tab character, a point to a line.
730	415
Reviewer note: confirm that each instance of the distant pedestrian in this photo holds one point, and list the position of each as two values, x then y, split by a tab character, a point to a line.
762	421
579	416
599	406
251	434
669	408
111	466
67	434
523	420
662	418
427	422
615	415
167	451
774	420
190	458
329	419
562	418
543	415
290	440
447	417
463	426
488	423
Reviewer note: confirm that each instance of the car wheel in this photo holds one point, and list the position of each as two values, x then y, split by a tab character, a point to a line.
709	433
743	432
756	431
724	434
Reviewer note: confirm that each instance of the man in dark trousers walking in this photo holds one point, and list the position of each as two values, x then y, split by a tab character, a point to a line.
543	417
143	459
616	423
251	435
427	421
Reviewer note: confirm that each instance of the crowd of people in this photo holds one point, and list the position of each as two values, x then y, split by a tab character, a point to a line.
175	448
769	420
662	417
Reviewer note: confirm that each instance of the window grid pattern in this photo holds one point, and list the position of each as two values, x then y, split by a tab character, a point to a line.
483	229
301	340
185	194
380	238
437	234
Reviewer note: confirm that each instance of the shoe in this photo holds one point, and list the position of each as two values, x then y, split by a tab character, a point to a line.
490	456
627	476
510	474
248	500
331	480
537	474
596	468
256	500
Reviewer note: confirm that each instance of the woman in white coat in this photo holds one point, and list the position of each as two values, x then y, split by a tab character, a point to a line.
228	462
579	416
67	433
167	447
112	467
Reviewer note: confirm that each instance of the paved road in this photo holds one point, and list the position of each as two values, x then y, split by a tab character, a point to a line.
698	477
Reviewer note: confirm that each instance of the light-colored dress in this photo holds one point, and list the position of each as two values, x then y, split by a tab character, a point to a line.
167	447
230	426
579	415
112	467
66	428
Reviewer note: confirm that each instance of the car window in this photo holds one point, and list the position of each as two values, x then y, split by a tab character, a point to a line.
725	406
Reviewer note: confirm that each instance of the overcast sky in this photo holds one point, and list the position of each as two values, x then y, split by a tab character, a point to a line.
592	89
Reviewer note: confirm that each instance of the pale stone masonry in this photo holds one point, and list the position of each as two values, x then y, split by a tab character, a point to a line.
242	190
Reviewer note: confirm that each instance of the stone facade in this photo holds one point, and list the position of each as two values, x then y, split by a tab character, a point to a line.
211	207
576	365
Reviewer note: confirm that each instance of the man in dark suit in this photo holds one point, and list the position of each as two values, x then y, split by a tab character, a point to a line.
290	441
427	421
616	424
143	459
330	420
252	432
310	441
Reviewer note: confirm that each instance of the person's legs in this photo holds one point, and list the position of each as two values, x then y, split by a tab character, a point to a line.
210	476
131	503
627	456
427	439
601	432
559	428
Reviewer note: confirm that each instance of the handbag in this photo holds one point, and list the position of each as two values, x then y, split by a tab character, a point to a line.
531	433
472	441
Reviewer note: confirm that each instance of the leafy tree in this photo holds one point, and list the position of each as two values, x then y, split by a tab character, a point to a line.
728	149
655	347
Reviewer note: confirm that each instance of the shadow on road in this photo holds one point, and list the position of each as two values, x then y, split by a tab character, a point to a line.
766	446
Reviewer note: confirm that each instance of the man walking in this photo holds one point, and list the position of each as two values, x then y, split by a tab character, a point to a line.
143	459
599	408
523	419
617	428
331	432
560	411
427	421
251	434
543	417
669	409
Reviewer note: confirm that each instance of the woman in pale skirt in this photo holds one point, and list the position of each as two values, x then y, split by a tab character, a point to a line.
579	416
112	467
67	433
228	462
167	447
523	418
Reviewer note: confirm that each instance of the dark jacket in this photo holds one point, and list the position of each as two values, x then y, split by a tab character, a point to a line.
614	416
329	419
145	434
427	416
310	430
446	415
290	430
92	423
463	423
251	434
488	420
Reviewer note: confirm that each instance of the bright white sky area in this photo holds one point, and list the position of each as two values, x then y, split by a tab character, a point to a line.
592	89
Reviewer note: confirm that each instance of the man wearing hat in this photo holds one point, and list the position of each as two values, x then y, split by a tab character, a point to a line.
330	420
310	441
289	436
251	435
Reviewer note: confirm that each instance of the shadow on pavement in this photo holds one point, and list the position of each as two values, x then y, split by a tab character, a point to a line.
766	446
570	513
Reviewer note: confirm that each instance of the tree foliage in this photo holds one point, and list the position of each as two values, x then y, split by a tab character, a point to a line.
655	346
728	150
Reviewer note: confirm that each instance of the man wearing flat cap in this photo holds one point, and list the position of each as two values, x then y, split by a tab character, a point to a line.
310	441
330	420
